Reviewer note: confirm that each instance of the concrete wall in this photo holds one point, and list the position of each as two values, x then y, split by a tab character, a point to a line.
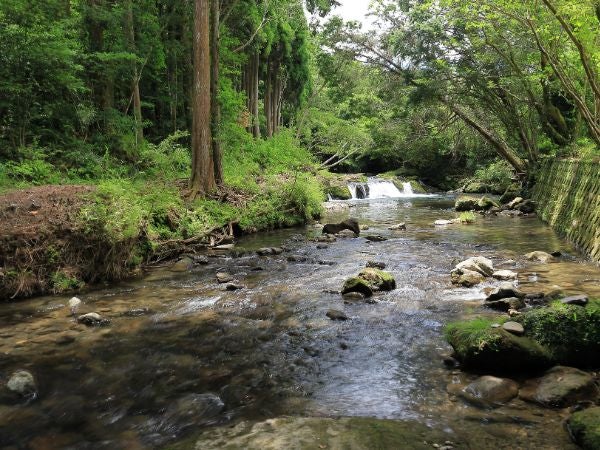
568	197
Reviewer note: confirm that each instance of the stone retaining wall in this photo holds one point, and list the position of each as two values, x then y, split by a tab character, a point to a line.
568	197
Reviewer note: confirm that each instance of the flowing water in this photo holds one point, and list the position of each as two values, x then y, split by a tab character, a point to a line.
269	349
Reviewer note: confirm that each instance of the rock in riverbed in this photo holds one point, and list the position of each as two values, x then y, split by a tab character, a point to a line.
224	277
92	320
368	281
487	391
23	384
584	426
477	264
335	314
539	256
560	387
505	275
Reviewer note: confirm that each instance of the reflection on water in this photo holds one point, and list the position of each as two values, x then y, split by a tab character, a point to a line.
269	349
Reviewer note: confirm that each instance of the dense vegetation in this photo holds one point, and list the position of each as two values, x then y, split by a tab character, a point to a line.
188	116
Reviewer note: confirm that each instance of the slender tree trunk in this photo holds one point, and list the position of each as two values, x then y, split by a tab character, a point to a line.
135	83
215	106
499	145
268	100
255	80
203	175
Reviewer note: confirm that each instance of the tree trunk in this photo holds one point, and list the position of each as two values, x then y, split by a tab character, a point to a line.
203	175
254	89
269	98
501	147
135	83
215	106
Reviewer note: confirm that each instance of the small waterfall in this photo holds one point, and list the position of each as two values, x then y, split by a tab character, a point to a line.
407	188
375	188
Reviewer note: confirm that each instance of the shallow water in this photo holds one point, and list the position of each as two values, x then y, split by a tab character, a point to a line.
269	349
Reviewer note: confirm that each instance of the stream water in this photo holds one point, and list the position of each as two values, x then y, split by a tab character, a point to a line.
269	349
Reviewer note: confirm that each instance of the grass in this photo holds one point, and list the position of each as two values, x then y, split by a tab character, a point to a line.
467	217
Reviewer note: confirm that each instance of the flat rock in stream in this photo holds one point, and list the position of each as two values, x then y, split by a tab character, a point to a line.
376	265
335	314
579	300
505	275
487	391
92	320
224	277
505	290
560	387
295	433
375	238
539	256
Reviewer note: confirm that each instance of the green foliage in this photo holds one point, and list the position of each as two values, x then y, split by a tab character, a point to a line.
62	282
467	217
497	173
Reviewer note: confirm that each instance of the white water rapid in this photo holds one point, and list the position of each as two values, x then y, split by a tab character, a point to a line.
375	188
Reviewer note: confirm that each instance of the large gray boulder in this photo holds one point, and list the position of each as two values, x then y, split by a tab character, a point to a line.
560	387
477	264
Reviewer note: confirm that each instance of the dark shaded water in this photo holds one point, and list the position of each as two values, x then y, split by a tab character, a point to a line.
269	349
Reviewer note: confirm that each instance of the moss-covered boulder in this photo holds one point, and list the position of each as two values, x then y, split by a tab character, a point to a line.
570	332
513	191
558	334
479	345
585	428
368	281
486	203
466	204
377	279
477	187
356	284
338	192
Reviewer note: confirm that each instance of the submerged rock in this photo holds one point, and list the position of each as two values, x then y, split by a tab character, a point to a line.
92	319
376	265
489	391
539	256
560	387
335	314
584	427
191	410
399	227
74	304
376	238
22	383
296	433
183	265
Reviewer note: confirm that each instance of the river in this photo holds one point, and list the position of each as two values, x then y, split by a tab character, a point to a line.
268	349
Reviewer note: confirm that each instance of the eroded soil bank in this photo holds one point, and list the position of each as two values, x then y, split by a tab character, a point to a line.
180	356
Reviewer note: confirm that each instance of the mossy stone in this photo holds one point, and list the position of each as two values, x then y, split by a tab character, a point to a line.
356	284
486	203
377	279
477	187
466	204
339	192
585	428
477	345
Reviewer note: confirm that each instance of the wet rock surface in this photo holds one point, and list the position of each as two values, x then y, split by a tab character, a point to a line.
560	387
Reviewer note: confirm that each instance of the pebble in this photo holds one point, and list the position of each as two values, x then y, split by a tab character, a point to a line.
223	277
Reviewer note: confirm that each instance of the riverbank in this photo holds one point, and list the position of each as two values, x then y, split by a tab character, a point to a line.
56	239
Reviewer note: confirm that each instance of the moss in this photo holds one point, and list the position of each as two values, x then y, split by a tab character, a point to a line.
477	345
339	192
477	188
585	428
356	284
466	203
417	187
378	280
486	203
571	333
